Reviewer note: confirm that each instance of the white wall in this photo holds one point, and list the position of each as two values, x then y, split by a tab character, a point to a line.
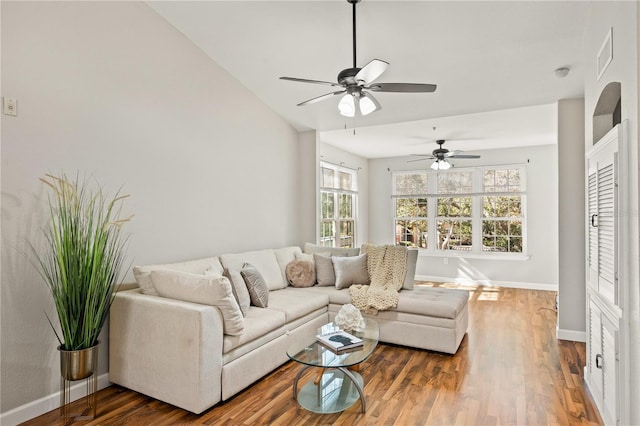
571	217
110	89
334	155
624	18
541	270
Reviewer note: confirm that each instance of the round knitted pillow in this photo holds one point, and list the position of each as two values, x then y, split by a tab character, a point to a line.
301	273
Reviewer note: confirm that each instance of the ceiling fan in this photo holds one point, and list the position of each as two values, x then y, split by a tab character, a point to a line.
357	83
441	155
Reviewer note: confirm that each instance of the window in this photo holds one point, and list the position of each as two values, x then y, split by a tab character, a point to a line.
411	210
476	210
338	195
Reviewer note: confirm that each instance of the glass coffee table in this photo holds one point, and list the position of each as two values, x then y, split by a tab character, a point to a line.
338	385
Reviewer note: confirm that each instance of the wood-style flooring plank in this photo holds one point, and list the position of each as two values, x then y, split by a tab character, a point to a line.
510	370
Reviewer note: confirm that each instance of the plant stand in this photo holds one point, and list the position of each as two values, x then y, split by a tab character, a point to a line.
75	366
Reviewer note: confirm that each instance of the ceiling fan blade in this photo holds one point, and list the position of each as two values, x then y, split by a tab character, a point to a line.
423	155
403	87
304	80
368	103
450	155
320	98
419	159
371	71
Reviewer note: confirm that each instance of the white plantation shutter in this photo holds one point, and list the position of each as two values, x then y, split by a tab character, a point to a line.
602	206
593	215
606	229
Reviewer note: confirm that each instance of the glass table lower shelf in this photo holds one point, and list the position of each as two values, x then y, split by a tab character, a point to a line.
336	385
333	392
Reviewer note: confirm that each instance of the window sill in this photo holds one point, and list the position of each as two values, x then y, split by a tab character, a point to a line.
519	257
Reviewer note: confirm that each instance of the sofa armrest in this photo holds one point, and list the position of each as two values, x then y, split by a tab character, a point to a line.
168	349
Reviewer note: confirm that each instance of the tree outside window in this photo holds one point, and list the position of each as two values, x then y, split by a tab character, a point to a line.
478	210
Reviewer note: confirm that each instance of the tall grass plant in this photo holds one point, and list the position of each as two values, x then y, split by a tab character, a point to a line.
84	257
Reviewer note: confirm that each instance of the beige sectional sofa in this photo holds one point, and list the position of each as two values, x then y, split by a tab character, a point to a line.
177	352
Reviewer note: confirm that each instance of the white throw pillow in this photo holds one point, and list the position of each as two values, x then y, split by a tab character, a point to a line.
351	270
207	290
143	273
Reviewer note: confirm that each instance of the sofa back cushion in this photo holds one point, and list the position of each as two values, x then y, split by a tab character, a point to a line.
410	277
335	251
264	261
284	256
143	273
204	289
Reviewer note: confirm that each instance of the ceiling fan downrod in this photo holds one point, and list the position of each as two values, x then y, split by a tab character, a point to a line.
353	4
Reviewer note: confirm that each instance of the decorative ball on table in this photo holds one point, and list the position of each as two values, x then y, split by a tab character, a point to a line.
349	318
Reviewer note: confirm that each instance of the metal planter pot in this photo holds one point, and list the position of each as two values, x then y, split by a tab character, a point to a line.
79	364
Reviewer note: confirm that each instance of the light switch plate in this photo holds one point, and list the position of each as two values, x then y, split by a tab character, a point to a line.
10	106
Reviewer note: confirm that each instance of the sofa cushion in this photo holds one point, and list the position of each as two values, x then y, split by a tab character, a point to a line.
325	275
339	297
335	251
284	256
301	273
435	302
308	256
350	270
258	291
239	287
410	277
143	277
203	289
264	261
257	323
296	303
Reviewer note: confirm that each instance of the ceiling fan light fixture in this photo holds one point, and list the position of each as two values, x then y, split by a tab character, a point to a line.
368	104
347	106
441	165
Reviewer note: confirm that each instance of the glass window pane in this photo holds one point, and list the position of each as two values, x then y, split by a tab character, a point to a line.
327	201
411	233
345	180
454	207
515	245
489	180
411	184
455	182
327	178
346	233
327	234
454	235
346	206
514	180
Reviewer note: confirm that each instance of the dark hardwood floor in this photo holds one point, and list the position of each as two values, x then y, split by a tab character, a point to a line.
510	369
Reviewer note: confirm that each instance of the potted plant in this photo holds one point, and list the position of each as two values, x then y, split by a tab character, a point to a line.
81	266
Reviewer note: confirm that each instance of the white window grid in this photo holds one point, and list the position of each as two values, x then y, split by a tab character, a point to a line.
477	193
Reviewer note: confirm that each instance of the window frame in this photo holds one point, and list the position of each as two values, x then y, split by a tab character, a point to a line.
477	195
338	193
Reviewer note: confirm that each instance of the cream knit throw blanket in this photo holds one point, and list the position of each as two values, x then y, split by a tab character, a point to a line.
387	266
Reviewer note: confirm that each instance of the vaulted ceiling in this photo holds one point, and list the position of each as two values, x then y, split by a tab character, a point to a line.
485	56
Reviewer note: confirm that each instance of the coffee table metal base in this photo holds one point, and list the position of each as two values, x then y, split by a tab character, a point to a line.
337	389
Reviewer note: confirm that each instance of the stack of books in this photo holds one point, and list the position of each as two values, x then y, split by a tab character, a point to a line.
340	341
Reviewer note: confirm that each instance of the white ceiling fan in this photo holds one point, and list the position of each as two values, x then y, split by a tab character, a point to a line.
357	83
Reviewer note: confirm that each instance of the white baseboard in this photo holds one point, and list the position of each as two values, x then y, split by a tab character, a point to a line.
490	283
572	335
45	404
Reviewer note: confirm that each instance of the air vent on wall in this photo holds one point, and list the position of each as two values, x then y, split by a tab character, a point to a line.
605	54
